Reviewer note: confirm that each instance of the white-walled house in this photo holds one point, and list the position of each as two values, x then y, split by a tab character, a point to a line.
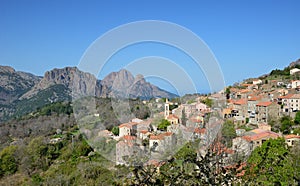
128	129
292	139
294	70
295	83
257	82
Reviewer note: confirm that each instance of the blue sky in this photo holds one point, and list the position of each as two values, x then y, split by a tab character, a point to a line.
248	38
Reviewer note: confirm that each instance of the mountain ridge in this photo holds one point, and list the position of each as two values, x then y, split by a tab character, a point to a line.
22	92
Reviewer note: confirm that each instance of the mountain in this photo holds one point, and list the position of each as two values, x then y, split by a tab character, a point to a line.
71	79
13	84
124	84
115	84
22	93
295	63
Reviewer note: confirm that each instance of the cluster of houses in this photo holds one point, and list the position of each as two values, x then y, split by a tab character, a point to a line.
257	105
141	138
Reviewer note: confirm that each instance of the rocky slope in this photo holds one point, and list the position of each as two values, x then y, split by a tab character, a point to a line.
13	84
116	84
124	84
22	93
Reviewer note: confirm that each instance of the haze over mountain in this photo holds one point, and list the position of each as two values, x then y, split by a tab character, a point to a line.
24	92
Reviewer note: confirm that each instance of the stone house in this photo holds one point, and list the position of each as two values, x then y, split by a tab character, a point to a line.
290	103
292	139
252	139
240	107
172	119
266	111
128	129
127	150
161	142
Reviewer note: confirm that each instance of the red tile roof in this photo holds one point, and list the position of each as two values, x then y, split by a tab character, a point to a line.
254	98
290	136
129	138
128	125
261	135
240	102
160	136
286	96
172	116
200	131
264	104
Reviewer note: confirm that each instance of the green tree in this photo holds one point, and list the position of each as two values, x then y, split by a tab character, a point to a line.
227	92
286	124
208	102
228	133
8	163
163	124
270	164
115	130
297	118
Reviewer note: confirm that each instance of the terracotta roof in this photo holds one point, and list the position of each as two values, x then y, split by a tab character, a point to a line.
144	131
254	98
129	138
172	116
200	131
128	125
261	135
244	90
296	96
160	136
264	104
286	96
240	102
291	136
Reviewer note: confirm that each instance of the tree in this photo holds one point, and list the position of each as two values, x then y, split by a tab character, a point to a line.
208	102
187	167
286	124
8	163
227	92
297	118
270	165
228	132
163	124
115	130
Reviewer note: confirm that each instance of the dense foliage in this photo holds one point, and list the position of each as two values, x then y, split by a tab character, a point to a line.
163	124
271	164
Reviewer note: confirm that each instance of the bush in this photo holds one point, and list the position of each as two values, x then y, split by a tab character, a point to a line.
163	124
8	163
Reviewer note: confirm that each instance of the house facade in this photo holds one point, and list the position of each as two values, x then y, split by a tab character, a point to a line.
265	111
290	103
128	129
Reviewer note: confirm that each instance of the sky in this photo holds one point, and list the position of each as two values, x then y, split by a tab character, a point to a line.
247	38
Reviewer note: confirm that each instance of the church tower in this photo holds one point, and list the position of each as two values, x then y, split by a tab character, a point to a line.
167	112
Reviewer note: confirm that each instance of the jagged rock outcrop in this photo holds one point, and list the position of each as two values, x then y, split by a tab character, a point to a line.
77	82
124	84
116	84
13	84
294	63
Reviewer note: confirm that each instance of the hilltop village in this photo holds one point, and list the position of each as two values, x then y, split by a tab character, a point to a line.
256	108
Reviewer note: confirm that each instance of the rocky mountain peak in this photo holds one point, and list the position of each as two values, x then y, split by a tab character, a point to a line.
294	63
6	69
